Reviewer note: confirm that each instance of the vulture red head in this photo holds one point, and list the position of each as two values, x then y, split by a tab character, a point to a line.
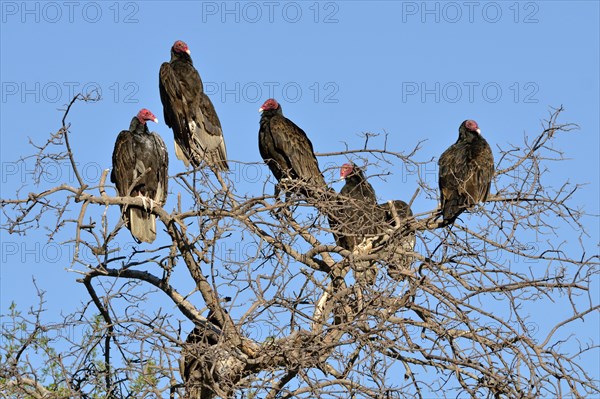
471	126
145	115
181	47
268	105
346	170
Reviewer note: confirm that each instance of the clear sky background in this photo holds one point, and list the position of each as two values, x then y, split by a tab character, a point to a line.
415	70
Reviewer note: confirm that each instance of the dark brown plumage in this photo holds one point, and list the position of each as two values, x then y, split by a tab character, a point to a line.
140	168
286	149
358	213
466	172
190	113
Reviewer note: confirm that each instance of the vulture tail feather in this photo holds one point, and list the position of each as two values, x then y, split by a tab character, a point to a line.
142	225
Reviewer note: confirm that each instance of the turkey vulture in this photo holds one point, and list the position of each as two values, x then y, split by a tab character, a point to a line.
140	168
196	365
466	171
286	149
356	216
209	365
358	212
190	113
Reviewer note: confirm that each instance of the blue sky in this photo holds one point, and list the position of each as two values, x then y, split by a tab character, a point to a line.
415	70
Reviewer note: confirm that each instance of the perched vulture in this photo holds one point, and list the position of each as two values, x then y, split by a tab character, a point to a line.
286	149
358	211
209	366
356	216
140	168
190	113
466	171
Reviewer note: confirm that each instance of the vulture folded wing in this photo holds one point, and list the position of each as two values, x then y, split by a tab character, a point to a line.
123	163
175	95
291	141
162	172
452	181
171	101
210	138
484	164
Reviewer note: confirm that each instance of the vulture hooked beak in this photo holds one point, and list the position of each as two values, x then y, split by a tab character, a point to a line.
155	120
260	109
478	131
